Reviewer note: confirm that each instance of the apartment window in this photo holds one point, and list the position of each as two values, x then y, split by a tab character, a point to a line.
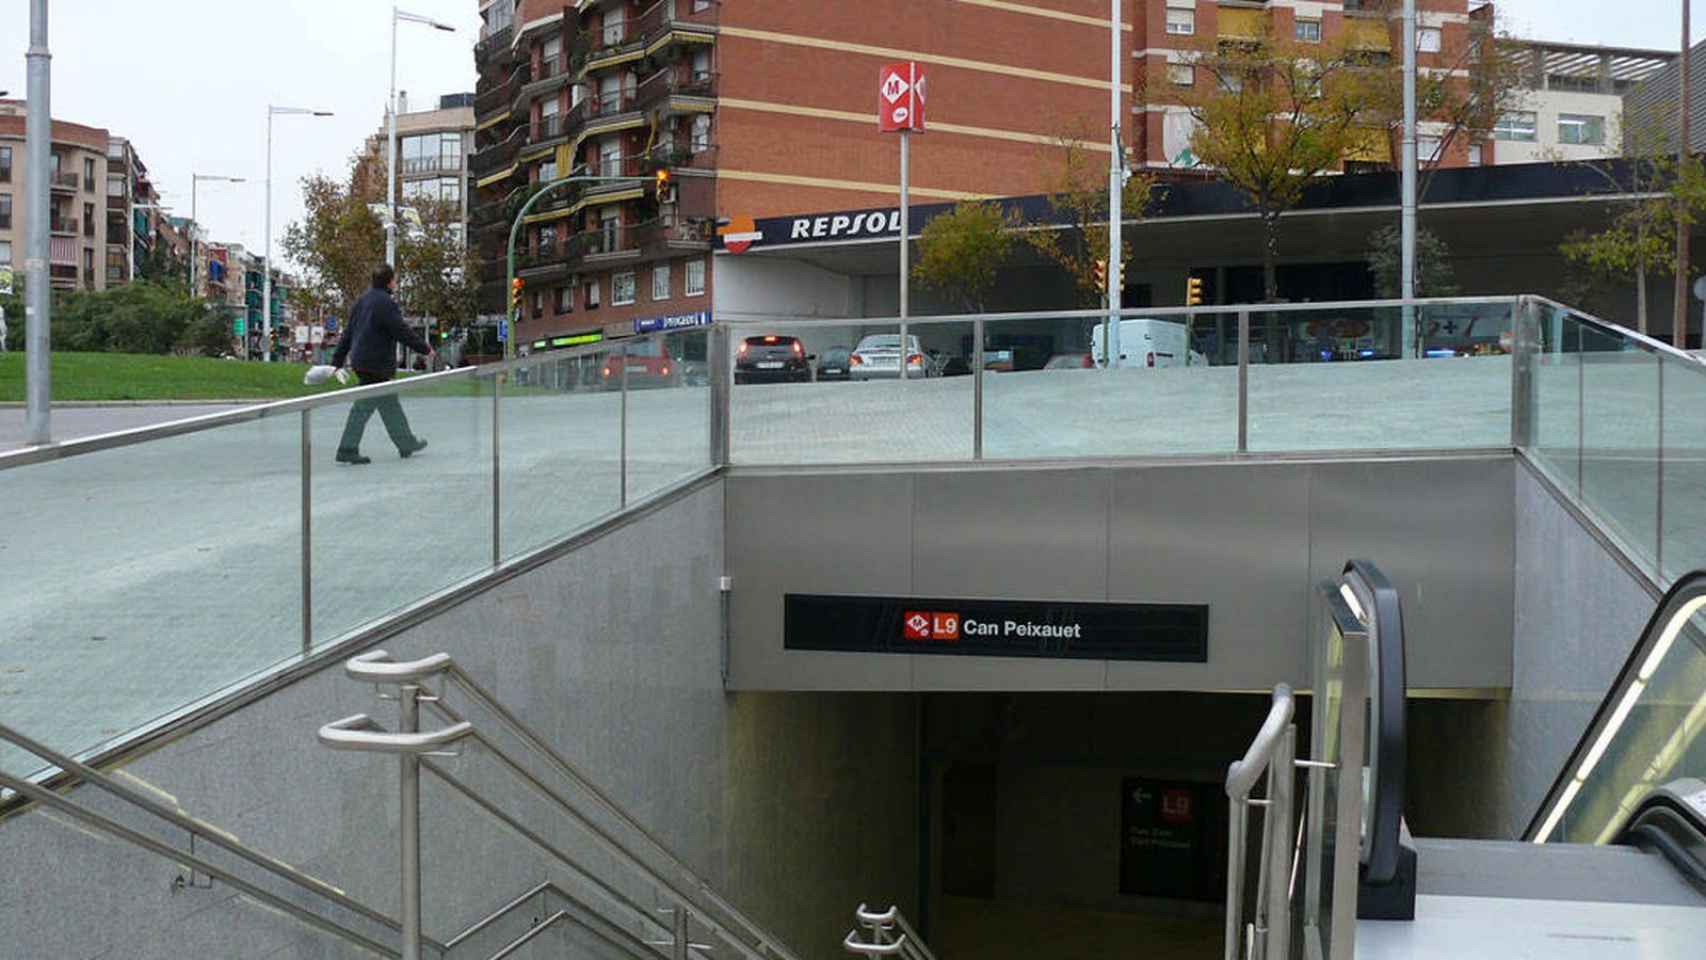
1427	39
610	93
5	253
549	54
1182	23
538	303
88	219
695	278
5	164
607	229
1181	74
614	30
660	282
548	239
1475	154
1427	148
1519	126
88	263
1308	31
621	289
5	211
610	156
1580	128
700	6
701	140
590	297
565	299
115	187
701	64
89	174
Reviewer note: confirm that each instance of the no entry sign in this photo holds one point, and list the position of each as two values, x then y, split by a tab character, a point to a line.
900	97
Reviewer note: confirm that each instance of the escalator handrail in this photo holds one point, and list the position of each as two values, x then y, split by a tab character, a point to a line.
205	831
1387	742
1665	812
1687	589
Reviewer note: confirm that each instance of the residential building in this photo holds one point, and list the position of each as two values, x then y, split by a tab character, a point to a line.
77	243
1571	102
433	147
1653	104
1170	34
759	108
134	220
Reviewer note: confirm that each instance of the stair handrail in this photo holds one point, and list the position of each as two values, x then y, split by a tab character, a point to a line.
891	934
1272	754
196	828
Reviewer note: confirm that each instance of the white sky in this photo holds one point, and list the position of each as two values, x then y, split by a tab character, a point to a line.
189	83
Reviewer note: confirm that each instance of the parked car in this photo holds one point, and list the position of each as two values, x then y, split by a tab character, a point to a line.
649	365
771	359
833	364
878	356
1070	361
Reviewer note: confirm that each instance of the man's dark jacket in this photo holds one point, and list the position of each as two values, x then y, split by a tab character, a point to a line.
376	326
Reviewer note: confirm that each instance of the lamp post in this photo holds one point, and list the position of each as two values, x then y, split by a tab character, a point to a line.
195	225
266	256
391	176
38	140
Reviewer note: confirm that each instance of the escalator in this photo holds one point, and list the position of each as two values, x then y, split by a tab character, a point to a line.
1612	865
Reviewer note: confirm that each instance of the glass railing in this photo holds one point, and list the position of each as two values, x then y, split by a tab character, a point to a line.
156	569
1611	418
1187	382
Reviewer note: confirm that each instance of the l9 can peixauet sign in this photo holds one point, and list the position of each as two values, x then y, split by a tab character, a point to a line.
1054	629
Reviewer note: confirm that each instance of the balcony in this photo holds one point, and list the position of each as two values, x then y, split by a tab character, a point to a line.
615	38
64	226
501	96
430	165
115	204
672	81
70	182
497	156
495	43
674	233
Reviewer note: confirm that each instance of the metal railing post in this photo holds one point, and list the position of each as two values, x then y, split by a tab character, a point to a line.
1281	791
497	475
307	535
977	389
1659	477
678	950
622	468
1235	829
1522	367
717	355
1243	381
409	822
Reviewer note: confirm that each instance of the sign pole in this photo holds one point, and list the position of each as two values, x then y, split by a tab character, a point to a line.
905	229
1116	191
38	304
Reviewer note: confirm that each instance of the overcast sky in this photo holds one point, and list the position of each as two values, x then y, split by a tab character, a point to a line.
189	83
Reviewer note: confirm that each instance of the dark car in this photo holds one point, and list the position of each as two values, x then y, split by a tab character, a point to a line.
772	359
833	365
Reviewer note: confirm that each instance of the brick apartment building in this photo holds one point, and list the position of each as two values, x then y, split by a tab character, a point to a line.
761	108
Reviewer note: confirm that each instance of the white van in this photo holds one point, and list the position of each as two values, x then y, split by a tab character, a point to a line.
1147	343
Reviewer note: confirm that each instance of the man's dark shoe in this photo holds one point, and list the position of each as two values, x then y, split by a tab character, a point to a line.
413	448
353	457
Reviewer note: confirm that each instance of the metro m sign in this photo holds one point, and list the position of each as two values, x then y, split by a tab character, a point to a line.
900	98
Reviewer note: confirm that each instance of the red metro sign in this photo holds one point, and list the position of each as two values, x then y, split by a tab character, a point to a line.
900	97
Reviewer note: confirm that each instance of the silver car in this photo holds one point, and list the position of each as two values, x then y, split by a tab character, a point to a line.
877	357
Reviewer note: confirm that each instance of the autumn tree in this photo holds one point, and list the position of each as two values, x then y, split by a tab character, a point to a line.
1077	235
1274	114
961	252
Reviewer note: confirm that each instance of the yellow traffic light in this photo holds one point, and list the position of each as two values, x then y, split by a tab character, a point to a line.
518	287
1101	273
1193	292
662	178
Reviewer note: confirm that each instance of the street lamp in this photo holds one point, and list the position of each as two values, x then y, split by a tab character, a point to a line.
266	257
398	16
195	225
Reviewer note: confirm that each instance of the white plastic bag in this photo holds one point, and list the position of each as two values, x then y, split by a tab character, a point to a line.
320	374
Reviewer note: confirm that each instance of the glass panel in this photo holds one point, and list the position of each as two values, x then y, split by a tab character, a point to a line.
1659	741
669	410
1322	816
1620	439
392	531
1336	379
1684	466
782	412
1172	390
142	578
560	463
1555	407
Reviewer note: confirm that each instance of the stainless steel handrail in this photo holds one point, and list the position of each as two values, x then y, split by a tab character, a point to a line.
53	800
377	666
884	926
191	825
360	732
527	937
688	887
1650	344
1273	752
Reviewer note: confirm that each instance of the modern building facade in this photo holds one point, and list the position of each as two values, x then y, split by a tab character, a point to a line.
1654	103
1571	102
78	237
433	147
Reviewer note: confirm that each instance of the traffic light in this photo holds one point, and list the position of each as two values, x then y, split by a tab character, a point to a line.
1101	274
661	186
1193	292
517	295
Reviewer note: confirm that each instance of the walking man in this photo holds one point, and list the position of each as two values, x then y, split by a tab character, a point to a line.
369	347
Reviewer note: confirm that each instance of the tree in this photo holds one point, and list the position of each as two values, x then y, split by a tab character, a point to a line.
161	264
1078	202
1641	238
961	251
140	317
1434	274
1273	114
437	274
338	242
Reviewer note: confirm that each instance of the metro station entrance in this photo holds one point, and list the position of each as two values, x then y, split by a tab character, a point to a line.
1094	823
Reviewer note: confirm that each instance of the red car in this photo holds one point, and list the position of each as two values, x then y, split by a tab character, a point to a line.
649	365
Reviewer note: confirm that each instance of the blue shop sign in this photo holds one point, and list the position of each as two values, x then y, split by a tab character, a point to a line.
678	322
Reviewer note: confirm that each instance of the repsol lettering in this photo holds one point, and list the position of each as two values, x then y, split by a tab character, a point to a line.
845	225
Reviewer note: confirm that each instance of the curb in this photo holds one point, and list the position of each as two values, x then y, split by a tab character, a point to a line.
87	404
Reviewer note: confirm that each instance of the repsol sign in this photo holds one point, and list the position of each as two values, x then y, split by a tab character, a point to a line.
839	226
1168	632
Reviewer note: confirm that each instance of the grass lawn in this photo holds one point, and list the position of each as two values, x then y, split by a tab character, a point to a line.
123	376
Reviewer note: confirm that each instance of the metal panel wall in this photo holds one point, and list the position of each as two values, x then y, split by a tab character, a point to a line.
1247	538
